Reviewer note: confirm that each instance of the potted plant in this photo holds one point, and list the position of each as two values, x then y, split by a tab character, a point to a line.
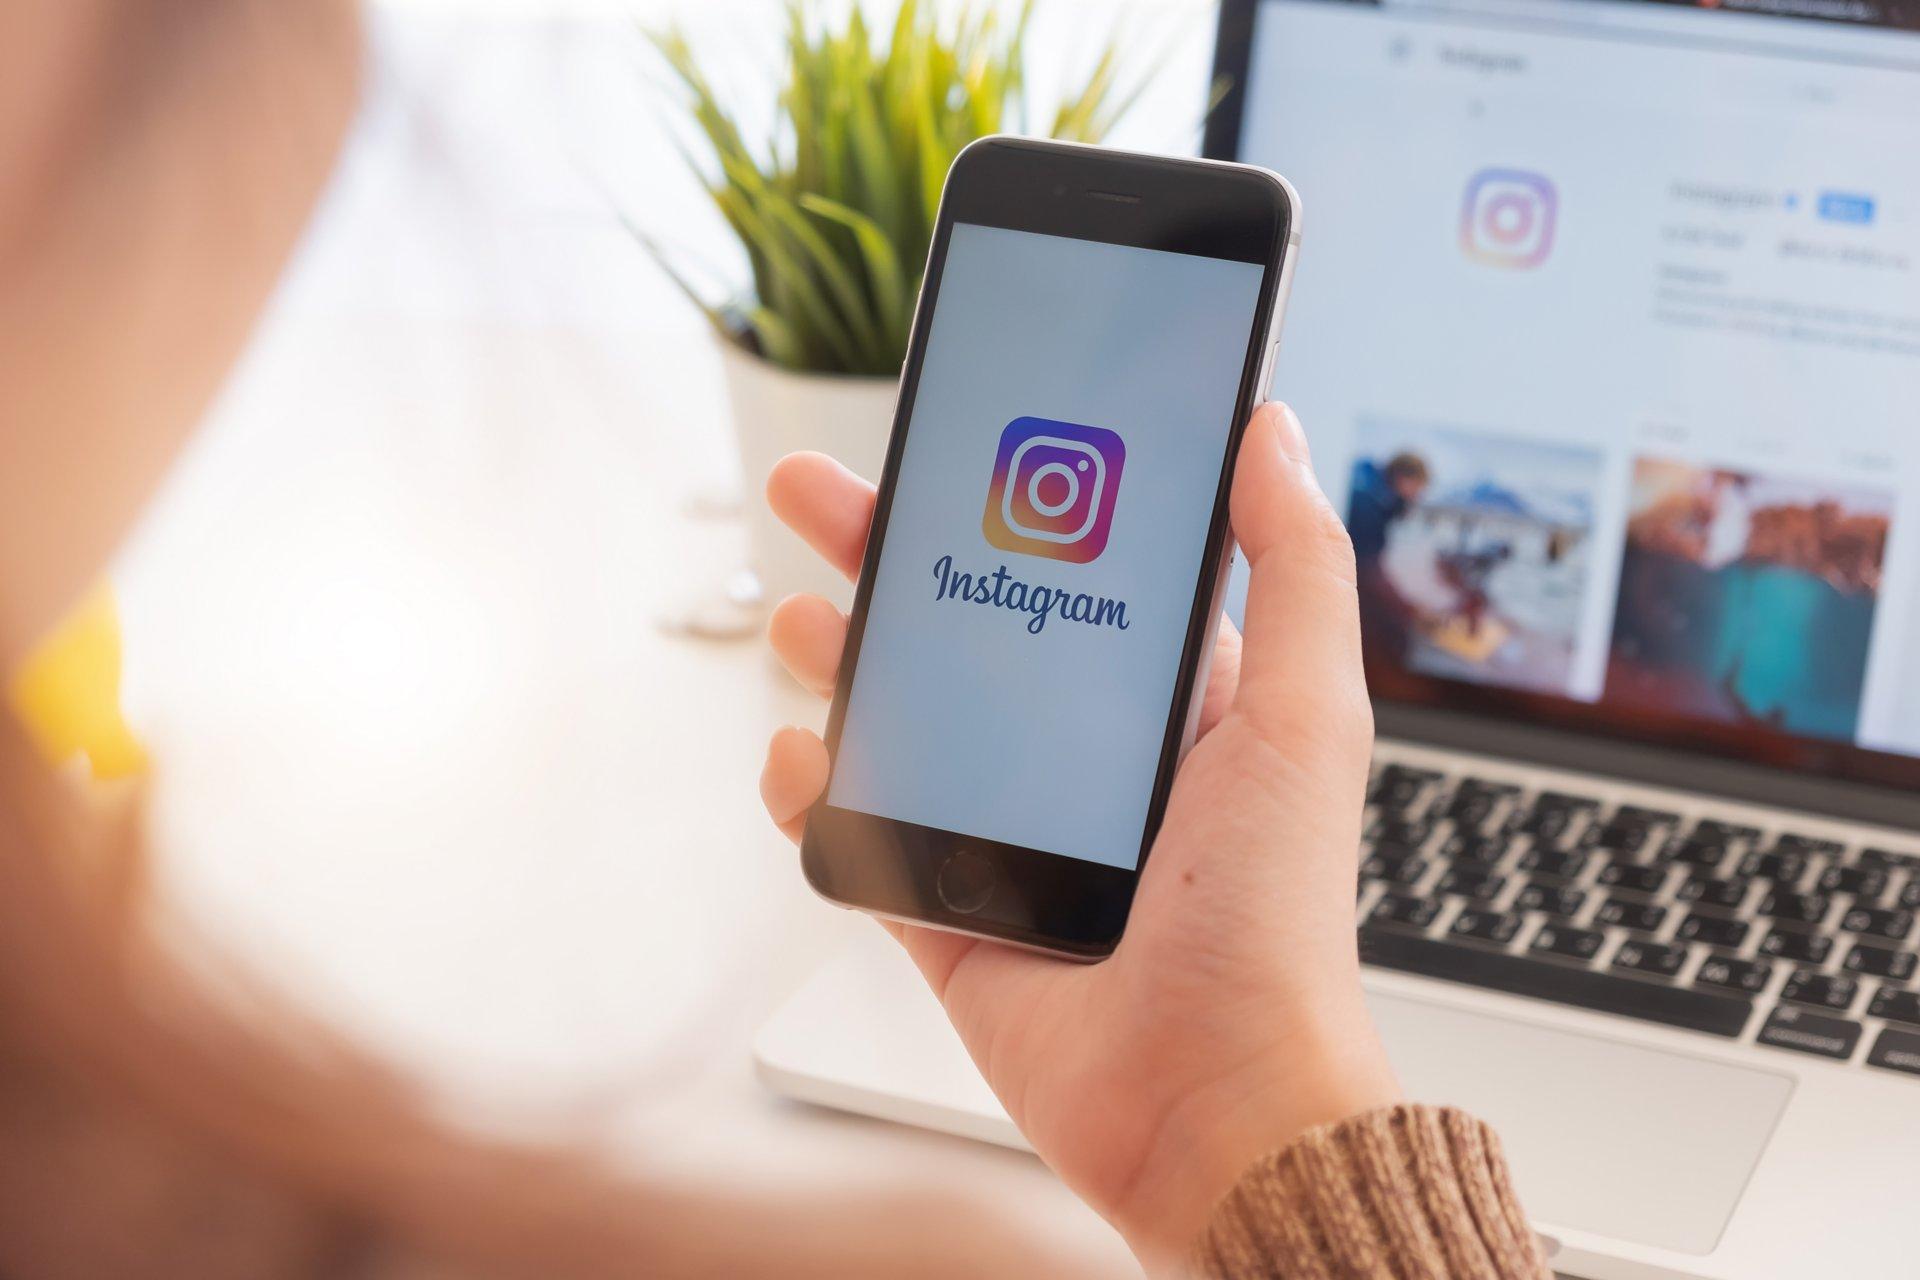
836	216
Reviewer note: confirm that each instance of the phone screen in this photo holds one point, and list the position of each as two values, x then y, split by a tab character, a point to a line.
1046	540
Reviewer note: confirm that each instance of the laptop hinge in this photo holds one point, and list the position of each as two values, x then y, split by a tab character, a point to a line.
1649	765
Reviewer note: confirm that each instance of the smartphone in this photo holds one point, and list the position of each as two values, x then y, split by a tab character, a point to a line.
1050	547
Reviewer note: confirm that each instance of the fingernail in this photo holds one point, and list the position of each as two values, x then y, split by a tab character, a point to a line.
1293	437
1266	432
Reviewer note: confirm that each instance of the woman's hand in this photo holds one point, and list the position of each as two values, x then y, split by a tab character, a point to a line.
1229	1020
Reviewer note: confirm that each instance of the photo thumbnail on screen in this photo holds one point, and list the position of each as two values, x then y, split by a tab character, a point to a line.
1747	599
1473	552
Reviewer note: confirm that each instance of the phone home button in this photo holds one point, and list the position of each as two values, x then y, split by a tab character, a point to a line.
966	882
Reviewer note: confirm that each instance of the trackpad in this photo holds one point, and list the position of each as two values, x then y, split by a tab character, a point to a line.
1625	1141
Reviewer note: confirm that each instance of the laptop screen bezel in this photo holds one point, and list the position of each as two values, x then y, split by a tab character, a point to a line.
1748	761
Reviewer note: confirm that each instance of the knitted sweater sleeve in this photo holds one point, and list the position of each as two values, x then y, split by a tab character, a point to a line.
1404	1193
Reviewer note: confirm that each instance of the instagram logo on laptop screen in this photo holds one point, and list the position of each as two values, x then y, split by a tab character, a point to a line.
1507	218
1053	489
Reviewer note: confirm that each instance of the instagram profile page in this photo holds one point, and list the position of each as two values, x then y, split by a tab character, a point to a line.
1046	541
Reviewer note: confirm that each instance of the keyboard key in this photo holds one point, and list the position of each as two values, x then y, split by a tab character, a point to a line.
1400	908
1553	815
1782	867
1727	895
1880	962
1723	833
1474	802
1878	922
1695	853
1655	958
1561	864
1620	837
1803	847
1861	882
1795	908
1791	1028
1395	863
1732	974
1632	877
1575	944
1484	926
1646	817
1896	1051
1896	1005
1476	883
1910	895
1398	786
1642	916
1715	931
1410	831
1554	900
1888	860
1483	849
1791	944
1828	990
1711	1012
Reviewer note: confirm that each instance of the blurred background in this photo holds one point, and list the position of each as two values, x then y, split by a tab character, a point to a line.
406	631
440	650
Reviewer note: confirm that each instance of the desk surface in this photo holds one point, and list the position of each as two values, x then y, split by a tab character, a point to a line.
425	758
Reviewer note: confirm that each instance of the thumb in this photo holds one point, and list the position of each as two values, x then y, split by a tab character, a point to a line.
1300	661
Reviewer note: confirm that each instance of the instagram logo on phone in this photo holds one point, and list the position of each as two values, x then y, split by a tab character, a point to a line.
1053	489
1507	219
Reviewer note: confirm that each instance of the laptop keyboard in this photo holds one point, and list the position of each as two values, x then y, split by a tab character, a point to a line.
1798	942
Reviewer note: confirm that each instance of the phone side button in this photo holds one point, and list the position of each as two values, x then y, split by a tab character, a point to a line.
966	882
1266	372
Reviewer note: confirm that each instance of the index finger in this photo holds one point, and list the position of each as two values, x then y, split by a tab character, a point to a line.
827	505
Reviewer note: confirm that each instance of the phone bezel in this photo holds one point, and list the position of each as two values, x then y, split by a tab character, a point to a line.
1043	900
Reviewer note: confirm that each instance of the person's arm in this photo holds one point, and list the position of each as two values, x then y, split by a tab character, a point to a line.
159	161
1403	1193
1227	1032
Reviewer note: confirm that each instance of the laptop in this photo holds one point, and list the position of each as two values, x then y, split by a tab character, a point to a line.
1607	333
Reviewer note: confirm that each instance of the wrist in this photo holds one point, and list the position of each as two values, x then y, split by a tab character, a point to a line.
1328	1070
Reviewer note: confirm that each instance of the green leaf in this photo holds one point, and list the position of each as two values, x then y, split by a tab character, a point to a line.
835	210
776	337
883	268
840	279
876	171
794	289
818	262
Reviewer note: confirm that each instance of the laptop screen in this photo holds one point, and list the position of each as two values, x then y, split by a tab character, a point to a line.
1606	332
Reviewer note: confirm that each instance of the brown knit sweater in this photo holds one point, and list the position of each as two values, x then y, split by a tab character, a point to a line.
1405	1193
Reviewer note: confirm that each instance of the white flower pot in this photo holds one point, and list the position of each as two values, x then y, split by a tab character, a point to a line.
777	412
